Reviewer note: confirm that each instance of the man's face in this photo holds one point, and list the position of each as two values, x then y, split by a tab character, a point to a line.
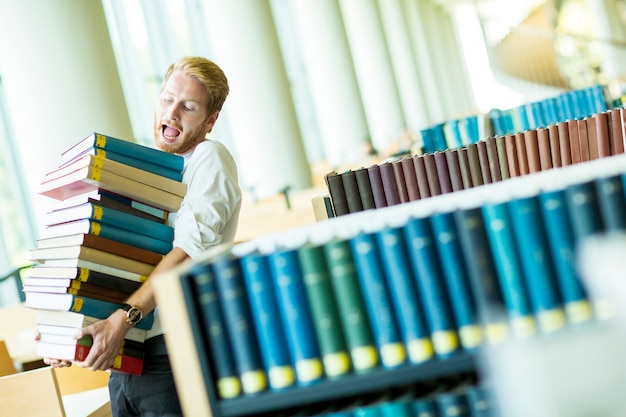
180	116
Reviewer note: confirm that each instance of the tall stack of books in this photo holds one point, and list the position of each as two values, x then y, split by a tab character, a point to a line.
101	241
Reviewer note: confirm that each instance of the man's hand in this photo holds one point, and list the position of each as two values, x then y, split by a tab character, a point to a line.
108	337
55	363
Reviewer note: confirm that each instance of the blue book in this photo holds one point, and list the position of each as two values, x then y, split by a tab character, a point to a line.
598	100
503	245
396	408
296	316
536	262
610	195
561	241
264	305
584	210
373	410
499	126
84	305
522	118
456	278
377	300
427	140
537	111
424	407
107	231
480	401
240	329
482	273
453	134
92	210
431	286
452	404
408	307
213	329
439	137
124	147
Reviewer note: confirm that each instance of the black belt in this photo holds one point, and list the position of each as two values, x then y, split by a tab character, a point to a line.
155	346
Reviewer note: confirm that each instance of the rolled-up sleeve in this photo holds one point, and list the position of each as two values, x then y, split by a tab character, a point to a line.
209	212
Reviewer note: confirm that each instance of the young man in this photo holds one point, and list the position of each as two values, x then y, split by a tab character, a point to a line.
194	90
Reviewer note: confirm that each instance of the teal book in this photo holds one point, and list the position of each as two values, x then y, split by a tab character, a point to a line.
211	327
84	305
378	300
562	243
480	401
373	410
408	307
424	407
502	241
584	210
106	215
536	262
351	306
107	231
482	274
396	408
240	329
456	278
265	315
431	286
124	147
612	204
452	404
296	316
324	311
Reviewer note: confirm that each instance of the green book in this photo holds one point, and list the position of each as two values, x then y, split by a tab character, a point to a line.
324	312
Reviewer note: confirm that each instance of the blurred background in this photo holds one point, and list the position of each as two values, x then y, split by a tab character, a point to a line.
315	85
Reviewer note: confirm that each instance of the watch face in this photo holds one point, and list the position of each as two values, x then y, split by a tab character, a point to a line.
134	315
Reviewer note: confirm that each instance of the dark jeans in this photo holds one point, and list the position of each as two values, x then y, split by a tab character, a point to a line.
150	395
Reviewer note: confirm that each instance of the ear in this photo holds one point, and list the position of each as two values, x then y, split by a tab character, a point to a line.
211	121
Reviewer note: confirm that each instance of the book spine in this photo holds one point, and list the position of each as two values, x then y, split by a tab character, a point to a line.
574	141
452	159
483	160
502	157
172	174
536	262
543	144
398	172
377	186
592	138
563	247
136	151
124	236
583	141
508	267
351	306
264	306
240	329
377	300
522	153
351	189
456	279
389	184
555	145
610	195
603	135
617	121
431	174
365	189
296	316
132	223
410	177
583	209
474	164
466	174
337	194
212	329
409	311
424	259
422	177
324	312
492	158
511	156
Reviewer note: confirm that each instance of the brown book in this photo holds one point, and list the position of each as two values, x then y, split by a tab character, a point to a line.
543	141
74	286
555	145
603	137
564	142
100	295
422	178
376	182
452	159
511	155
483	160
532	151
334	183
583	140
351	189
502	157
617	124
389	183
574	141
445	184
398	172
365	188
492	157
431	174
592	137
98	242
410	177
474	164
466	173
522	155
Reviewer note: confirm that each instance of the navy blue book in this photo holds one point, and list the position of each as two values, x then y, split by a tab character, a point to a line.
213	329
124	147
610	194
480	401
296	316
584	210
482	273
407	304
377	300
92	210
264	306
560	234
456	277
240	329
431	286
424	407
536	262
502	241
452	404
351	305
324	311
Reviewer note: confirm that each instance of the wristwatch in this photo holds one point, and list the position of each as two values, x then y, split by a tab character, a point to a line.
133	314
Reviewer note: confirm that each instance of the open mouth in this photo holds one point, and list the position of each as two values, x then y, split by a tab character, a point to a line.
170	133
